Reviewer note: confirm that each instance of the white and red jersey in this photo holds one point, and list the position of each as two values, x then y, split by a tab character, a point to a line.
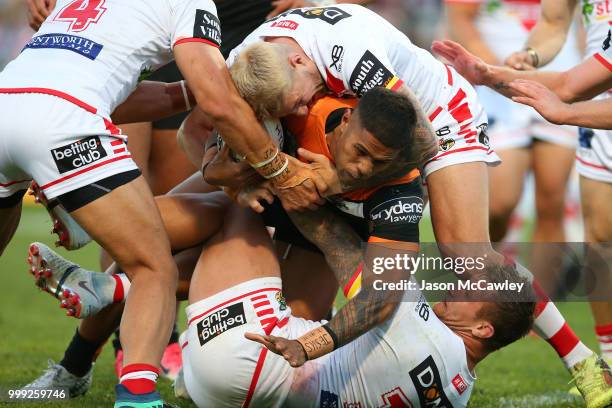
94	51
355	50
597	19
605	52
412	360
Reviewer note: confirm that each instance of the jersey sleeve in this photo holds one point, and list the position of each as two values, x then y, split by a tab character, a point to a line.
366	65
605	55
195	21
394	212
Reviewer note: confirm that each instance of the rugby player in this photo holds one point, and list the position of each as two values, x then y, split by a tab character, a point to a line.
77	155
351	50
544	91
543	44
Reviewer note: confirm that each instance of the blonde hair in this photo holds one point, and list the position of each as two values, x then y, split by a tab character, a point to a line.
262	76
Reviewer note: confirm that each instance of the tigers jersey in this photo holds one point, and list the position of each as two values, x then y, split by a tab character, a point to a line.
94	51
355	50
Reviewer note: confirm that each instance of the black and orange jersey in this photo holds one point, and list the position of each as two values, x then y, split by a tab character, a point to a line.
392	210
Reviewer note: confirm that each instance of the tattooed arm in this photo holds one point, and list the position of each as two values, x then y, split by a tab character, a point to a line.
343	252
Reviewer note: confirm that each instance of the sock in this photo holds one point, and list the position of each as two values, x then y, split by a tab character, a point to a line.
174	336
139	378
552	327
604	336
122	287
80	354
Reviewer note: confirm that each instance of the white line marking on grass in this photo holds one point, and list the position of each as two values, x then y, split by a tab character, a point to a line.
551	399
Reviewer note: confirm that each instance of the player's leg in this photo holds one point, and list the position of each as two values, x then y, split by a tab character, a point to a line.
10	214
596	197
309	285
168	164
552	165
506	187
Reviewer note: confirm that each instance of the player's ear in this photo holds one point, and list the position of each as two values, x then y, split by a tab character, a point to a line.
346	116
296	59
483	329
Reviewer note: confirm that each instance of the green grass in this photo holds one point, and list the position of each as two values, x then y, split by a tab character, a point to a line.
33	328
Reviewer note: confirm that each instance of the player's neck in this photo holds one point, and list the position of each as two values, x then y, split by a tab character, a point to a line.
285	40
474	349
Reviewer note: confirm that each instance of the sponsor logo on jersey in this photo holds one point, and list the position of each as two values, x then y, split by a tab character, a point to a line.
400	210
74	43
220	321
282	303
422	308
328	400
446	144
369	73
584	137
337	57
443	131
395	399
78	154
606	43
459	384
330	15
288	24
207	27
429	387
483	135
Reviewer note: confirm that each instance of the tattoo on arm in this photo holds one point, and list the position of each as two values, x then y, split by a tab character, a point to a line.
501	86
342	249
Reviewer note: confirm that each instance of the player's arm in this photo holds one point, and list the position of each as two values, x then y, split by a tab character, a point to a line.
152	101
342	249
584	81
461	22
547	37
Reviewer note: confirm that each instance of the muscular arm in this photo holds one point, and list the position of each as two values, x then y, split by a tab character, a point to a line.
549	34
342	249
152	101
582	82
590	114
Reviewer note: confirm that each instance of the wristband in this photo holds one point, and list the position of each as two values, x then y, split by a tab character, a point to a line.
279	171
265	162
185	95
534	56
318	342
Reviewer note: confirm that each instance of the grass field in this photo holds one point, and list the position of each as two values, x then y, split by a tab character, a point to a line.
527	374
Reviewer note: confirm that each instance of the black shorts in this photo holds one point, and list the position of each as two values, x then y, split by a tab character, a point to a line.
276	216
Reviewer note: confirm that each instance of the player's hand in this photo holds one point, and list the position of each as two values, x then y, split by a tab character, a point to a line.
467	64
284	5
252	197
327	181
542	99
298	187
520	60
224	171
38	11
291	350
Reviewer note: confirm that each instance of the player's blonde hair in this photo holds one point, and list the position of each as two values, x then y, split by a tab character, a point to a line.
262	76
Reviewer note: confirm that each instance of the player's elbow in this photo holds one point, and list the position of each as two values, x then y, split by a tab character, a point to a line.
564	91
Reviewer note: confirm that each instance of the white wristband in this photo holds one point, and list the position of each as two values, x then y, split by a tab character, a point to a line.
185	95
279	171
265	162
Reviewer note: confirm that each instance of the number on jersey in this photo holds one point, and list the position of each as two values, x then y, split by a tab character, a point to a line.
81	13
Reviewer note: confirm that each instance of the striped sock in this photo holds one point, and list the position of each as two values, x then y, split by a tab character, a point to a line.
604	336
139	378
122	287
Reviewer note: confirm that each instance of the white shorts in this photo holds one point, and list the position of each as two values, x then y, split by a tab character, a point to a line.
59	144
221	367
461	127
516	126
594	155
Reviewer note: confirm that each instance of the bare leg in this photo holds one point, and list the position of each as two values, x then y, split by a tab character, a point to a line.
9	221
505	188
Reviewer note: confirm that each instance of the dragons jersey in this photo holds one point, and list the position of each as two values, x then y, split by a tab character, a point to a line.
597	19
355	50
94	51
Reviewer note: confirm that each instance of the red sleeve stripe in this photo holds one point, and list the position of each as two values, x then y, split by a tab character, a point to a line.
603	60
188	40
